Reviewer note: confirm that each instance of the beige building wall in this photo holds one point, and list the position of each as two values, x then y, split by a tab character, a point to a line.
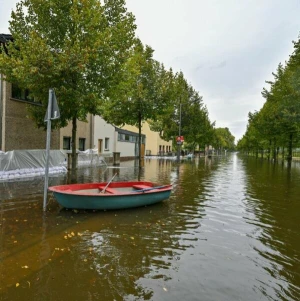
154	144
18	132
84	130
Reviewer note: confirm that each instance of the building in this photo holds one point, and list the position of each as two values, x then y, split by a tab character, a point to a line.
18	132
155	145
109	139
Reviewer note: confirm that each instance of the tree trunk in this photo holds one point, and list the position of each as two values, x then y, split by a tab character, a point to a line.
269	150
74	155
140	140
290	149
274	151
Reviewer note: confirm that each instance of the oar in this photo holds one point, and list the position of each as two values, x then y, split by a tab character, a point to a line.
151	188
103	191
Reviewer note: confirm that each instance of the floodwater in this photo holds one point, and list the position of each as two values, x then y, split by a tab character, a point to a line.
230	231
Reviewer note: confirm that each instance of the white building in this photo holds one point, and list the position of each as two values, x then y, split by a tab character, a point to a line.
109	139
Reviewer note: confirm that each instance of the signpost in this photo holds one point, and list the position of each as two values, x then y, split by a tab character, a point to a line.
51	114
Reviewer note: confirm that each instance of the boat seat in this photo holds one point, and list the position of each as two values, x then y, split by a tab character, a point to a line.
109	190
141	187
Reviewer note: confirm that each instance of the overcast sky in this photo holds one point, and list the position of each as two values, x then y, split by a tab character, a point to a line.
225	48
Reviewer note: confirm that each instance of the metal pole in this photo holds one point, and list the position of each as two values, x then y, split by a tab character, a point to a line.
179	142
180	120
47	149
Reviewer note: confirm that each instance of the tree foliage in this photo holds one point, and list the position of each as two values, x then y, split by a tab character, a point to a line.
224	139
139	96
186	114
77	47
87	51
277	124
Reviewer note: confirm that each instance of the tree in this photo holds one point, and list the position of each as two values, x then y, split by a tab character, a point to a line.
168	121
224	139
77	47
185	113
284	99
136	99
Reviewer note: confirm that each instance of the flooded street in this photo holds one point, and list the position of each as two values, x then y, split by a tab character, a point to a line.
230	231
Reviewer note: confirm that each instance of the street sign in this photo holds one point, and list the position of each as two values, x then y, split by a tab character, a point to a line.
55	113
179	139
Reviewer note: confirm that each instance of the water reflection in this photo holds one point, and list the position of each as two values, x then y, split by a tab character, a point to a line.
228	232
275	202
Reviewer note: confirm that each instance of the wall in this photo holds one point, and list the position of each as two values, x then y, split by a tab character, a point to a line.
18	131
153	140
84	130
126	149
104	130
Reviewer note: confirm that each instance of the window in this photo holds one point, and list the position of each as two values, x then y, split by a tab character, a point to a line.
121	137
128	138
106	145
21	94
81	146
67	143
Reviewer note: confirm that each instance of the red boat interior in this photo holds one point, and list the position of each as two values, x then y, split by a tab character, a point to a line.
123	189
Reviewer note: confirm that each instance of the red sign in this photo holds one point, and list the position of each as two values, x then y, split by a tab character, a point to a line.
179	139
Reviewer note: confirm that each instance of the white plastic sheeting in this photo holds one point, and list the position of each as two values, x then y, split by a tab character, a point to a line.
30	163
90	157
162	157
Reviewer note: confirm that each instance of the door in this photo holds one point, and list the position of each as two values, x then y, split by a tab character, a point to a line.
142	150
100	145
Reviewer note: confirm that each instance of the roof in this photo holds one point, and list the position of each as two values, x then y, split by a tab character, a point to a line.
4	38
127	132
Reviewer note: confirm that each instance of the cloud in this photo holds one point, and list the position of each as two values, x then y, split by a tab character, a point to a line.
218	66
226	49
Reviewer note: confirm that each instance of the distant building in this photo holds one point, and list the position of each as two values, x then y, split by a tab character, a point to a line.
154	146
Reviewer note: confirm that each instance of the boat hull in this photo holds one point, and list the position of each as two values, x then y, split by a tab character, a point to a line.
86	196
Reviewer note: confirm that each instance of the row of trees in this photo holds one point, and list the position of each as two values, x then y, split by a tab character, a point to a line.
88	52
277	125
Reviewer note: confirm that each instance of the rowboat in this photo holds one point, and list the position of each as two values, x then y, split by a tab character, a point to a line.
108	196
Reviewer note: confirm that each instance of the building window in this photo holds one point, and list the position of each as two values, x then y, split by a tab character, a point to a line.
129	138
21	94
121	137
67	143
81	146
106	145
